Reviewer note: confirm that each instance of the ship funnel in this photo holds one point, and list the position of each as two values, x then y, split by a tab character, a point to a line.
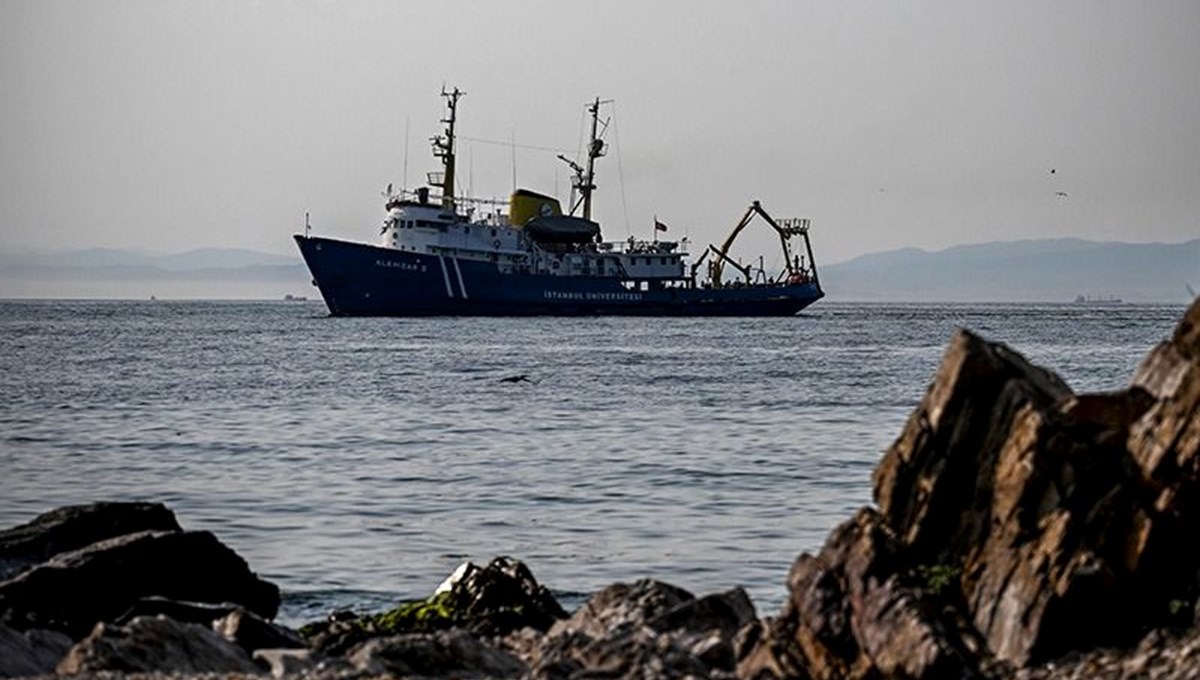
524	205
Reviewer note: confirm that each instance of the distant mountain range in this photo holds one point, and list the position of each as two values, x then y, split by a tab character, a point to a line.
1047	270
206	273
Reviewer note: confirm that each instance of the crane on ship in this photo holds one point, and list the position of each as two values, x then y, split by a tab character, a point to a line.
794	269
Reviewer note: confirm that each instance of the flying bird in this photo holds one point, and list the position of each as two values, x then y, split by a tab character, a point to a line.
1061	194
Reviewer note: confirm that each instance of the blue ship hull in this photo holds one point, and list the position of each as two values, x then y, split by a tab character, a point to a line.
357	279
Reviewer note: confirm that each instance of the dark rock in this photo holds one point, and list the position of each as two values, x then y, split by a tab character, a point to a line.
639	630
1018	522
1061	515
1159	656
855	612
202	613
155	645
251	632
726	613
491	601
73	527
624	606
287	662
503	597
74	590
452	653
33	652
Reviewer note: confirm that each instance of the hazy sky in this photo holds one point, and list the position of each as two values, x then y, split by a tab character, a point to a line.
173	124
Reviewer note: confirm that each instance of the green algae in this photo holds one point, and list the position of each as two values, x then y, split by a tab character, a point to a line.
438	612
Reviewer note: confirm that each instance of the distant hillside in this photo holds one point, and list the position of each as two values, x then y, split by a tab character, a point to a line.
1050	270
104	272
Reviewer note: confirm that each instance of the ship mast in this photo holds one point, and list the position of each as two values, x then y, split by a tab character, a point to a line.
443	147
584	180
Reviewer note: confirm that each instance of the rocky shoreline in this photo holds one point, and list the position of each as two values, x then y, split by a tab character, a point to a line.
1019	531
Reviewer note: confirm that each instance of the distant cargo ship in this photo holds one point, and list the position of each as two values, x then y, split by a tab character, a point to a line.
438	256
1098	300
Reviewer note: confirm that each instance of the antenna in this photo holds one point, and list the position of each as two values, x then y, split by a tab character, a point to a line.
307	226
512	133
405	184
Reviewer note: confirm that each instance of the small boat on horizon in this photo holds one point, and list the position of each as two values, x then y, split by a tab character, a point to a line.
443	254
1098	300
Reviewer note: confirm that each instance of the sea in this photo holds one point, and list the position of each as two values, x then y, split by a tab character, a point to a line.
358	462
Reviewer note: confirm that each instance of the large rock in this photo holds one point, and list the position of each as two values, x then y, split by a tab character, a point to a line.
639	630
155	644
858	610
453	653
1061	514
73	527
1017	521
74	590
34	652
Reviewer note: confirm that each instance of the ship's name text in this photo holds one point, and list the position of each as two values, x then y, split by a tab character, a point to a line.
396	264
599	297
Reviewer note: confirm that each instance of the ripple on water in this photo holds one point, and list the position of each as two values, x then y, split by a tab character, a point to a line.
359	461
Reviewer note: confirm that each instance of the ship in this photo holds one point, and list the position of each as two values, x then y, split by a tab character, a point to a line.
443	254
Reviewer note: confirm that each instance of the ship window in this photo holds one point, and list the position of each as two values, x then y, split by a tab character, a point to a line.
493	232
466	230
664	260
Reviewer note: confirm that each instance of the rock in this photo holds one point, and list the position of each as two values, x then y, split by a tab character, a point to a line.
856	611
286	662
73	527
202	613
155	645
251	632
1017	522
1060	515
503	597
491	601
644	629
1159	657
74	590
726	613
624	606
34	652
452	653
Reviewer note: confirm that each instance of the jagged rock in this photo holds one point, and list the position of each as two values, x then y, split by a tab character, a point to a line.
726	613
1061	514
74	590
34	652
1159	656
1017	522
623	606
491	601
76	526
155	645
857	611
453	653
502	597
251	632
643	629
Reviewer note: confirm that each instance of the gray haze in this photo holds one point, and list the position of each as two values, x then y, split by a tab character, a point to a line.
167	125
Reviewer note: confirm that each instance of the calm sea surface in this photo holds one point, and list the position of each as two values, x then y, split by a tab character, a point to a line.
358	461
